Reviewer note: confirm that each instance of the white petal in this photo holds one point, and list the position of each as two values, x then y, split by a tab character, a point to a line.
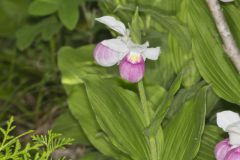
130	43
152	53
226	118
114	24
227	0
137	48
116	44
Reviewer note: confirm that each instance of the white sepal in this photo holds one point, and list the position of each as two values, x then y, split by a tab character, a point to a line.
226	118
152	53
116	44
114	24
137	48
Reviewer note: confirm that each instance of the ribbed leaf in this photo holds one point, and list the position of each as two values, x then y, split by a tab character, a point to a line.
183	132
181	97
163	107
159	20
69	127
75	65
211	136
82	111
232	13
155	95
213	64
120	117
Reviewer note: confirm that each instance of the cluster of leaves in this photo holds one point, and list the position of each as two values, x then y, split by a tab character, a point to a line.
192	80
41	147
30	35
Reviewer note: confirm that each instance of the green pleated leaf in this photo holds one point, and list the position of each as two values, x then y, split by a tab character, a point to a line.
159	20
69	127
172	25
211	136
160	72
183	132
136	27
179	56
212	62
75	64
120	117
163	107
181	97
232	14
155	95
81	109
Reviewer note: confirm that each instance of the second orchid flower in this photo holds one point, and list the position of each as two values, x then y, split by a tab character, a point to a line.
229	149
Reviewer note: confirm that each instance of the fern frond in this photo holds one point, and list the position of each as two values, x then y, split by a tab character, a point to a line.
51	141
43	146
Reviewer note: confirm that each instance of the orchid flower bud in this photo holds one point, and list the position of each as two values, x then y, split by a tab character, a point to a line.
132	68
233	154
221	149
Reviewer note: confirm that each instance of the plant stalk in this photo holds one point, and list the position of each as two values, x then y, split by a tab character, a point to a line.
147	116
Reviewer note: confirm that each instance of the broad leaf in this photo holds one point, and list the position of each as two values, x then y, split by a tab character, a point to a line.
120	117
183	132
155	95
69	127
27	34
68	11
163	107
82	111
212	62
75	64
181	97
158	19
211	136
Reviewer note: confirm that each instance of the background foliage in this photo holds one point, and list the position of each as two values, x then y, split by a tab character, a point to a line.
49	78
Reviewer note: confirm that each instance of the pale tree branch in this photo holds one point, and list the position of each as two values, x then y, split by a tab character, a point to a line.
230	45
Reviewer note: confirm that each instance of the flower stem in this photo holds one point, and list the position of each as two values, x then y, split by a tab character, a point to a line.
147	117
144	102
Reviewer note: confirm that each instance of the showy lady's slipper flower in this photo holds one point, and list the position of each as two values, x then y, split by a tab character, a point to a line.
121	50
229	149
